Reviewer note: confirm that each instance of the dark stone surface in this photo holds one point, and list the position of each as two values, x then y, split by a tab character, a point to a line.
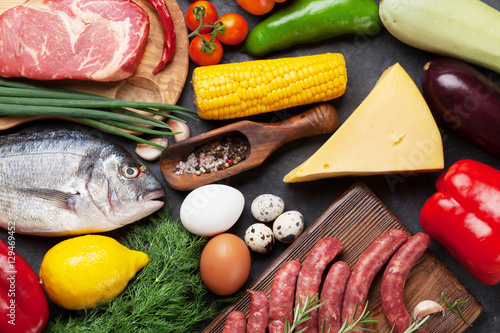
366	59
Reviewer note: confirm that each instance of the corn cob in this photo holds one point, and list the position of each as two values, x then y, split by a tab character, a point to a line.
234	90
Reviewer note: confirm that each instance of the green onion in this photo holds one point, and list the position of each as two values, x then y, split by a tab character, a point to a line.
69	98
32	110
27	85
21	92
115	130
136	128
22	98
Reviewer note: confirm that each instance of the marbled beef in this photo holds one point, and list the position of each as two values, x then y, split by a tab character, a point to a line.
100	40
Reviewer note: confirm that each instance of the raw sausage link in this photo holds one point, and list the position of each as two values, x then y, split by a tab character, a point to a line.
309	279
282	296
333	295
258	317
393	281
235	323
369	264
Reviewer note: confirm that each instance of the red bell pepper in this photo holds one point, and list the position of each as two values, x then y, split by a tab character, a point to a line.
23	304
464	217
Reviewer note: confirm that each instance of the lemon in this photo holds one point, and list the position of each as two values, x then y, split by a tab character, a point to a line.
82	272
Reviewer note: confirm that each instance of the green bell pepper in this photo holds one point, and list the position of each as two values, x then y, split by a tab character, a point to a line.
306	21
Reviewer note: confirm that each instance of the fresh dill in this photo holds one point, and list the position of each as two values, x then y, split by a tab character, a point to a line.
168	295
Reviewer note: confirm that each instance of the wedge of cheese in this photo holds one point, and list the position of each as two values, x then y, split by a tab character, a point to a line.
392	131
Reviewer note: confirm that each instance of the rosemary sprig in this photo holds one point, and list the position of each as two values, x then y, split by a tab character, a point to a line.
414	326
301	313
455	307
354	324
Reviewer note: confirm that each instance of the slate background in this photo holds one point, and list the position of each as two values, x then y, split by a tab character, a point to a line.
366	59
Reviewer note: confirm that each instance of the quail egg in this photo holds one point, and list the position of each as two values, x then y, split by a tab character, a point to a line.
267	207
288	226
260	238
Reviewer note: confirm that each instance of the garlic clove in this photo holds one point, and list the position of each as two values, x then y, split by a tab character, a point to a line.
425	308
179	126
149	152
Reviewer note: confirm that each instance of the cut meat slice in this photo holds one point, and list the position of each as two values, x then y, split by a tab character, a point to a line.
100	40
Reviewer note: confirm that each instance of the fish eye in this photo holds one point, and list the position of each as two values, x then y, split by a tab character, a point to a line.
130	171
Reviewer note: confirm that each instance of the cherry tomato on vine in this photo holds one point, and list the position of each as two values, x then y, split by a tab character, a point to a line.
210	16
257	7
202	58
236	29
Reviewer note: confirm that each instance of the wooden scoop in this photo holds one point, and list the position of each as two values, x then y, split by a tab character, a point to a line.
263	139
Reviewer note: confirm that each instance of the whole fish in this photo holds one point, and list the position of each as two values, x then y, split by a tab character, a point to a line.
63	182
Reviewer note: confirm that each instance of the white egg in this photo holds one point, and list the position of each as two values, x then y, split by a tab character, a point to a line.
288	226
260	238
211	209
267	207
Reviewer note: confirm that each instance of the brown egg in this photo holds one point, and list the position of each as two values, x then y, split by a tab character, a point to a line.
225	264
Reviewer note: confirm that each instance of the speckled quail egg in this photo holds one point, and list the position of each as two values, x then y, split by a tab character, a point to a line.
288	226
267	207
259	238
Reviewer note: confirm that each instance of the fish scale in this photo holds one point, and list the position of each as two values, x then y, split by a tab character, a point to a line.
68	182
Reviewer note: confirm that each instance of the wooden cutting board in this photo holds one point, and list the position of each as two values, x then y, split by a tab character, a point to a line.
357	218
164	87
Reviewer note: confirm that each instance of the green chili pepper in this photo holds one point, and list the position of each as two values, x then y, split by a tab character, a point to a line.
306	21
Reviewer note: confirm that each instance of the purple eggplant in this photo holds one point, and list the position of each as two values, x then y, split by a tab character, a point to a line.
465	99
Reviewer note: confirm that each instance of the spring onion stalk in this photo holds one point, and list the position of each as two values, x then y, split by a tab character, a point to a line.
83	103
22	83
30	97
38	102
24	98
21	92
159	113
141	115
33	90
136	128
31	110
117	131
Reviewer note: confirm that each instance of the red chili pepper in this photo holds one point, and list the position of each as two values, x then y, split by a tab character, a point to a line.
23	304
169	28
464	217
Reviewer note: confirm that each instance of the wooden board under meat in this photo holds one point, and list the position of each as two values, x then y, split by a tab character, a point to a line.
164	87
357	218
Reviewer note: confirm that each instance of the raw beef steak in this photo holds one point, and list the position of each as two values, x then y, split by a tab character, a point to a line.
100	40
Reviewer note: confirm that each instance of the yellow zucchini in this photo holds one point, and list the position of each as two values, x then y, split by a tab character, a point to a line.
465	29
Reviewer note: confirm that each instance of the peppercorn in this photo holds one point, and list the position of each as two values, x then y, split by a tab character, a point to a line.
214	156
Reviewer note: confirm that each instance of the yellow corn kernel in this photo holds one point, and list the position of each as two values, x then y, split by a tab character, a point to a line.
234	90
